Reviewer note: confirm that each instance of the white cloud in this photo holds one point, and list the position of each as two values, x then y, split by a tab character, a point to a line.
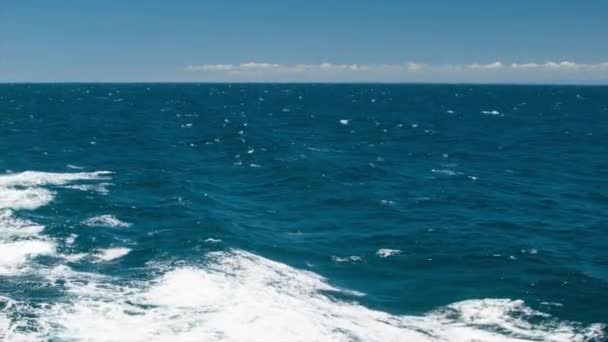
531	72
413	66
254	65
210	67
565	65
495	65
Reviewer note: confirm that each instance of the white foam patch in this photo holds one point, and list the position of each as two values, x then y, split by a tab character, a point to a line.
112	253
387	252
74	257
352	258
14	256
71	239
20	241
105	221
25	190
37	179
446	172
5	322
29	198
239	296
4	326
101	188
76	167
12	227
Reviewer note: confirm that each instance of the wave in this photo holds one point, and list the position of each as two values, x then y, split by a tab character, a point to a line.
20	239
20	242
26	190
37	178
105	221
14	256
12	227
232	296
239	296
490	112
28	199
101	188
387	252
110	254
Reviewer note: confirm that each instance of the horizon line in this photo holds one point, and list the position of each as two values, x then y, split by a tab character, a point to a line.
565	83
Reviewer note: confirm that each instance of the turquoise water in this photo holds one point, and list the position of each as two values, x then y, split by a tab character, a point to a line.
242	212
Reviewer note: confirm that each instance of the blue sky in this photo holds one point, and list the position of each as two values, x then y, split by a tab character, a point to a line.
519	41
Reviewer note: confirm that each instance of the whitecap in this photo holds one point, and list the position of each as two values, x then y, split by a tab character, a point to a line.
71	239
74	257
352	258
4	326
551	304
36	178
110	254
15	255
317	149
386	252
445	172
25	190
28	198
5	321
105	221
490	112
101	188
529	251
20	242
12	227
344	122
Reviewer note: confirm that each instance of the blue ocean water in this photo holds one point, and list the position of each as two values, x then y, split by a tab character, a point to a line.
307	212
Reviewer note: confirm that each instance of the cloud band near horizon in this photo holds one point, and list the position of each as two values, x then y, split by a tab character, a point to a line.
495	72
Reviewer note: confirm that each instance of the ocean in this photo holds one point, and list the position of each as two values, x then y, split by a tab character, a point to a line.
303	212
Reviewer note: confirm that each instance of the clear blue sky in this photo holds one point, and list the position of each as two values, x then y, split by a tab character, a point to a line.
186	40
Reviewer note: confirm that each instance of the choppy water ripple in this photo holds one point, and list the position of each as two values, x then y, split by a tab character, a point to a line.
303	213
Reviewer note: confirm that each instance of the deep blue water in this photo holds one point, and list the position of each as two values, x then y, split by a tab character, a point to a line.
406	199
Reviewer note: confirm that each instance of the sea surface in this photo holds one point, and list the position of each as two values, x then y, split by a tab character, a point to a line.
304	212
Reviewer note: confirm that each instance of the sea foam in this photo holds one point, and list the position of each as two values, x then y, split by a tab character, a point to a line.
26	190
386	252
29	198
36	178
112	253
105	221
20	239
15	255
239	296
12	227
231	296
